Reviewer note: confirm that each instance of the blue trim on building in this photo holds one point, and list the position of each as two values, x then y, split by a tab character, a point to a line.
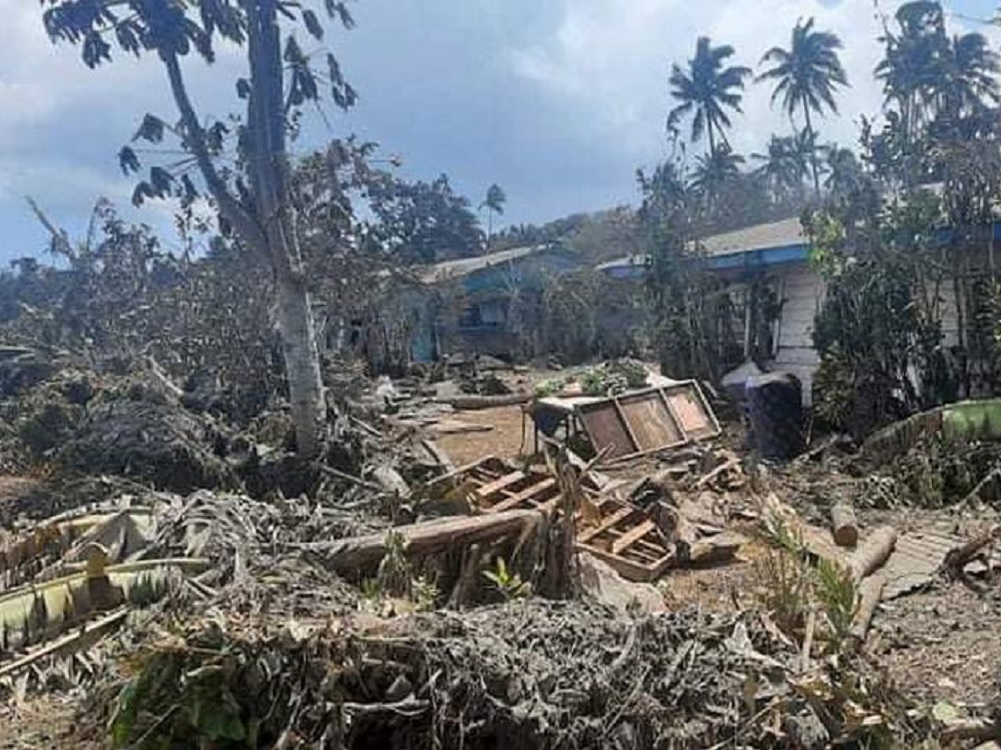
768	256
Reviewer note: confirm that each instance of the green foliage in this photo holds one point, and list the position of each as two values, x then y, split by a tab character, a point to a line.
784	585
790	587
171	31
838	596
507	582
194	700
881	315
611	378
422	222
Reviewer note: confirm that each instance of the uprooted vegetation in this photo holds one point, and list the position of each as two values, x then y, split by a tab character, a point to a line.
183	607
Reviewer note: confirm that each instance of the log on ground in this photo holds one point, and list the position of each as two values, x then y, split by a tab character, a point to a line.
844	524
873	552
356	555
870	591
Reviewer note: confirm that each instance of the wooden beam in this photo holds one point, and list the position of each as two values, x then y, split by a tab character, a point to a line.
605	525
632	535
515	500
673	414
625	423
356	556
499	484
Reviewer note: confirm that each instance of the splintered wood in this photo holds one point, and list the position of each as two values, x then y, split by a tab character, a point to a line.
622	535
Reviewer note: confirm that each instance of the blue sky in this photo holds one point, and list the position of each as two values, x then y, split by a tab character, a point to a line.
558	101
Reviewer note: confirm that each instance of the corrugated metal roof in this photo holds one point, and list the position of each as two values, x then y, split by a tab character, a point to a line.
917	558
777	234
456	269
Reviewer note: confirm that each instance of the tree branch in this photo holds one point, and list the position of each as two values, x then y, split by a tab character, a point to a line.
59	236
229	206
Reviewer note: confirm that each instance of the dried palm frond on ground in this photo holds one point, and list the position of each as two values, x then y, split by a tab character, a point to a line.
531	674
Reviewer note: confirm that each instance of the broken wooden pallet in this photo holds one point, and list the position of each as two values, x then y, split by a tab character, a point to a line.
627	539
494	487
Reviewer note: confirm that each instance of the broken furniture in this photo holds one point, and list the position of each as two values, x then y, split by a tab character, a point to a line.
620	534
631	424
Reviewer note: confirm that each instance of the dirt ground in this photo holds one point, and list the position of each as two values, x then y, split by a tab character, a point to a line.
505	440
940	644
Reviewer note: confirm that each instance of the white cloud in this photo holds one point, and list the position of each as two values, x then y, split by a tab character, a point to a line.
611	59
61	123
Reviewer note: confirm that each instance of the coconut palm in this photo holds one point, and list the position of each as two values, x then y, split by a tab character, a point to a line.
706	90
844	172
783	166
914	69
806	75
494	203
971	81
713	172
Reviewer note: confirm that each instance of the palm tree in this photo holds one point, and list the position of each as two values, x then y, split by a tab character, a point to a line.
713	172
914	68
706	90
971	82
844	172
494	203
806	76
783	166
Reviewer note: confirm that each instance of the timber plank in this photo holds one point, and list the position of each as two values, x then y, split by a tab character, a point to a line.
498	484
514	501
632	535
617	517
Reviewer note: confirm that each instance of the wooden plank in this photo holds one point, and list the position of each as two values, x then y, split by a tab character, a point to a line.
632	535
674	414
650	421
617	517
604	427
498	484
692	410
359	556
625	423
527	494
630	569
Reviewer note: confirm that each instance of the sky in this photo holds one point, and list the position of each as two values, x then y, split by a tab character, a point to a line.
558	101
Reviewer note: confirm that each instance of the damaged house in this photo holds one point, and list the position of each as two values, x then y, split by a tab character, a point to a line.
774	260
480	305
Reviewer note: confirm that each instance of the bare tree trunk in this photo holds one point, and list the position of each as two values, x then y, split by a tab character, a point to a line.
275	212
302	363
813	151
268	231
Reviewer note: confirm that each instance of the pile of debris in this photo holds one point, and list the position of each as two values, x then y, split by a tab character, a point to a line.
379	596
533	674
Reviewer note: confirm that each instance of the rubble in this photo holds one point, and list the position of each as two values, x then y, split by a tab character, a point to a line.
531	674
380	595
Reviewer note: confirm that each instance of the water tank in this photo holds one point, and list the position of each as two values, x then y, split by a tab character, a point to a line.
775	413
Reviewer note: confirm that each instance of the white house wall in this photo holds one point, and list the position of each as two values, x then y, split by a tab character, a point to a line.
801	292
